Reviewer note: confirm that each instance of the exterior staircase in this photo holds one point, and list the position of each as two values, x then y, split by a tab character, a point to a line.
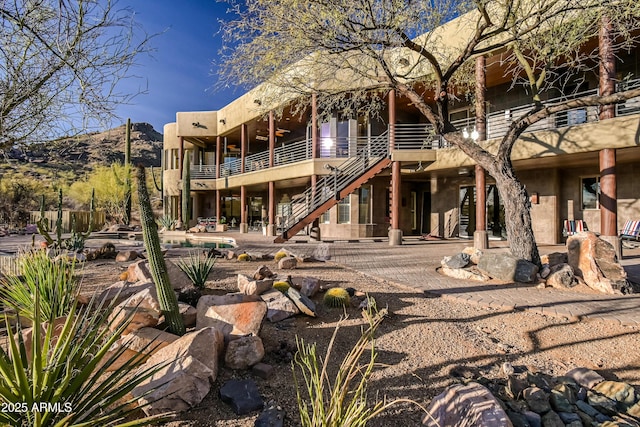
370	160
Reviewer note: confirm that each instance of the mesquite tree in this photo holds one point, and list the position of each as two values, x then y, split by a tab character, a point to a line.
60	65
346	50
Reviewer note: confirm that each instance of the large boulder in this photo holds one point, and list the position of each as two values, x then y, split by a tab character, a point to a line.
139	271
561	276
468	405
595	261
139	344
279	306
143	307
206	345
507	268
244	352
122	290
235	315
177	387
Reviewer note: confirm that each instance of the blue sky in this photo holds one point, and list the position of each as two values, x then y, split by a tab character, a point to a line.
179	74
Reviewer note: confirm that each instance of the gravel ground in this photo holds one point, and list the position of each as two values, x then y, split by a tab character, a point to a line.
425	344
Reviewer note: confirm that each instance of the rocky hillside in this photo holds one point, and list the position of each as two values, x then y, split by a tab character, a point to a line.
82	152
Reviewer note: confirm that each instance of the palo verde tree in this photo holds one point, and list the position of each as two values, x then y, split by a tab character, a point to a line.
346	50
60	63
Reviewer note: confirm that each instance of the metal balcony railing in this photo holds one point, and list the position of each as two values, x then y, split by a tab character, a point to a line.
370	151
631	106
421	136
203	171
498	122
412	136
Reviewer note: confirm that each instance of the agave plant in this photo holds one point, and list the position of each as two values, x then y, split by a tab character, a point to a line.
167	222
61	380
197	268
52	280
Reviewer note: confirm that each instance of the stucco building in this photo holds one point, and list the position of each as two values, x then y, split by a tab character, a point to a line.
333	177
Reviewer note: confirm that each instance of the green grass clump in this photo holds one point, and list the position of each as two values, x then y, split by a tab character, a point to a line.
341	401
279	255
336	297
244	257
197	268
281	286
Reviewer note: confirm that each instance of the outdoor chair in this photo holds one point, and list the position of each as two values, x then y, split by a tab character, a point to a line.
573	226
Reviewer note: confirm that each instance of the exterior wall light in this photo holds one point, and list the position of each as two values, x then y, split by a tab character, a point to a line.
474	135
223	121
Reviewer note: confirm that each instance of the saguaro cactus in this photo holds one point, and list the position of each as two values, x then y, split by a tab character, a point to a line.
157	265
127	170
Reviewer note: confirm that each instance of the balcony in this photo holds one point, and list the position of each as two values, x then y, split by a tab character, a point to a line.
417	136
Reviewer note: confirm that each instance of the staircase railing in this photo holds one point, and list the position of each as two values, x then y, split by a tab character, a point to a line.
367	156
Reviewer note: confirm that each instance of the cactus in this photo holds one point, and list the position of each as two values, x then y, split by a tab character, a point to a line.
336	297
166	296
186	193
281	286
76	241
155	182
279	255
127	169
43	223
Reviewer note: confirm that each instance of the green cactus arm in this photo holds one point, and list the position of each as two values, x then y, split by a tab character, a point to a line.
43	224
157	266
155	182
59	220
92	210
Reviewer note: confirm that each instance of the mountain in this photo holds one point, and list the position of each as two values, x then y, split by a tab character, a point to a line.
81	153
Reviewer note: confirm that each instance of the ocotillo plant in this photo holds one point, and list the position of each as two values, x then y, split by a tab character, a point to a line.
186	193
157	265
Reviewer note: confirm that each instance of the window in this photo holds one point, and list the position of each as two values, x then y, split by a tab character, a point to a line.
590	192
344	211
364	212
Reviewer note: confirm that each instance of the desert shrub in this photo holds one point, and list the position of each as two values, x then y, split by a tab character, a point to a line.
53	280
61	380
197	268
343	401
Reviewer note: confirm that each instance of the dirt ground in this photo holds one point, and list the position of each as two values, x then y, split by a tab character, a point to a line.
425	344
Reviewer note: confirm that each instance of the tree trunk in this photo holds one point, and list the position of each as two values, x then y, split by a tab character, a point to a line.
517	214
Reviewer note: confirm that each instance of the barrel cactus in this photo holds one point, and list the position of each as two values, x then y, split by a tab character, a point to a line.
336	297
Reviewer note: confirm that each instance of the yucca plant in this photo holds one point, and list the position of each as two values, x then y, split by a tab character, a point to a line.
343	401
197	268
62	381
53	280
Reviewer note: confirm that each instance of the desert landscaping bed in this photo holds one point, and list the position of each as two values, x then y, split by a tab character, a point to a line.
424	345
